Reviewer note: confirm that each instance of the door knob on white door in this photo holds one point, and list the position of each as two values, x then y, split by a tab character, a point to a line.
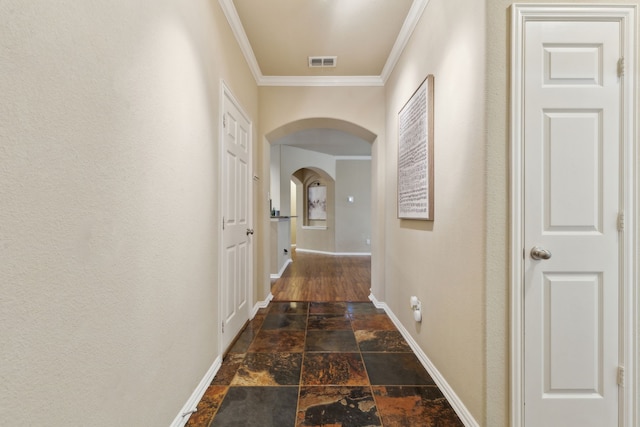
249	231
539	253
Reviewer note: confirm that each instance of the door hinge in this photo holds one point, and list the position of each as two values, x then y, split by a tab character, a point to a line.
621	221
223	327
223	223
224	121
620	378
621	67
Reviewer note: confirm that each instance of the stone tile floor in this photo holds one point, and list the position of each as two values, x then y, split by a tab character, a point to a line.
322	364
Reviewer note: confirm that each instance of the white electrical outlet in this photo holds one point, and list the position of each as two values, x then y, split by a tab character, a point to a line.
416	306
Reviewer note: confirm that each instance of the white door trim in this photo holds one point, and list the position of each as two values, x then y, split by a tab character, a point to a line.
626	14
226	92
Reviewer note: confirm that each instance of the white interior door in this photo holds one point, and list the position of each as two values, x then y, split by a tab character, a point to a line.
573	138
236	200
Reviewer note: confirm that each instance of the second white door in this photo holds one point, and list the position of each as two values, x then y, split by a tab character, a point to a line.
236	201
572	160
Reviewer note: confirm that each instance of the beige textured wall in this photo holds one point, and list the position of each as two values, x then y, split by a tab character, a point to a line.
497	206
442	262
360	105
109	213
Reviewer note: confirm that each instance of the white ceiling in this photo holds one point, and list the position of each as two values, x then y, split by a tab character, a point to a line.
367	36
278	36
327	141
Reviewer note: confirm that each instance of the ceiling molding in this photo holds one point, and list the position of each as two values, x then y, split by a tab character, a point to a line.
238	31
320	81
415	12
352	157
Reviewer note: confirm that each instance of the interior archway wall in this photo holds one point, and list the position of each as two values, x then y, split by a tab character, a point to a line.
357	110
309	238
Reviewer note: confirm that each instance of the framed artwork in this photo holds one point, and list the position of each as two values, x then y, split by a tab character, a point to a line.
415	154
317	202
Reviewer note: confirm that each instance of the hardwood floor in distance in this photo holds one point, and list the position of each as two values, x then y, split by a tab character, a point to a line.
318	277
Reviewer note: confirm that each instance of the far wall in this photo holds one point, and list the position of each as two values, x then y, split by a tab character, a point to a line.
353	219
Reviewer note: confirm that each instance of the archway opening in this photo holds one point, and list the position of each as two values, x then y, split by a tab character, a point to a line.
321	180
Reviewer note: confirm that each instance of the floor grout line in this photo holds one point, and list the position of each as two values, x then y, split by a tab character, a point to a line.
366	387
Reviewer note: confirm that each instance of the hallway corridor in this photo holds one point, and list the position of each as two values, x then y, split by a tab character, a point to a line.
322	364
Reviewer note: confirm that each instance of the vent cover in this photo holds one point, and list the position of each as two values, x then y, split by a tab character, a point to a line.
322	61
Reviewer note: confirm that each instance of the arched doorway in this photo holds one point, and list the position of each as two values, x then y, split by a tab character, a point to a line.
331	167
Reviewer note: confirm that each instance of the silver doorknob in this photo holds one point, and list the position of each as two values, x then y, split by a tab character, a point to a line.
249	231
539	253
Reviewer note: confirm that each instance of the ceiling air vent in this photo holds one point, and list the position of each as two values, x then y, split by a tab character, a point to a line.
322	61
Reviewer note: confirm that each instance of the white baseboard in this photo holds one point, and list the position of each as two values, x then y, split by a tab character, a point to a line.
312	251
462	411
190	407
282	269
261	304
377	303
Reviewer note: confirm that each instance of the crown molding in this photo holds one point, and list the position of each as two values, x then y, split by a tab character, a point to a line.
238	31
352	157
415	12
320	81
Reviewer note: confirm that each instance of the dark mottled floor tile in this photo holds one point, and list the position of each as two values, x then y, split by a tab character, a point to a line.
337	406
372	322
278	342
329	322
208	406
344	341
263	369
414	406
363	308
285	322
263	310
382	341
327	308
396	369
228	370
289	307
256	322
258	407
334	369
243	341
347	346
